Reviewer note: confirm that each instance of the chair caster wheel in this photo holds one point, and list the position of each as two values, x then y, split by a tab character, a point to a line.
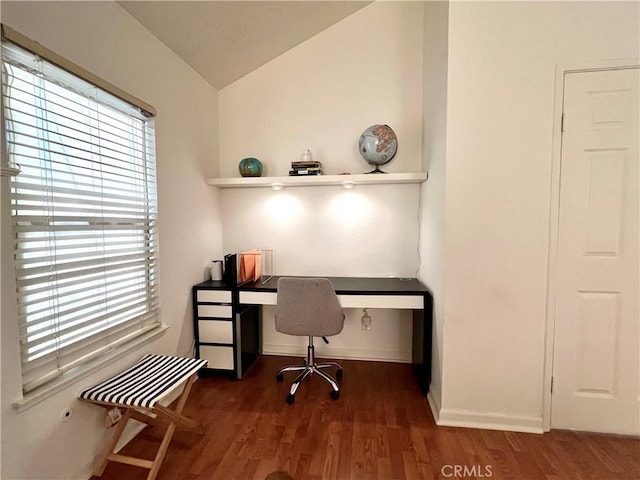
280	377
291	399
335	394
339	374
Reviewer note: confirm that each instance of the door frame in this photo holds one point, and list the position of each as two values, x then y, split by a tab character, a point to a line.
554	213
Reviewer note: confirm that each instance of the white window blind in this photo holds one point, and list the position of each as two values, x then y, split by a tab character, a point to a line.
84	217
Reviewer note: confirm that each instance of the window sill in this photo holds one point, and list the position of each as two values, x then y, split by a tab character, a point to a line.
68	379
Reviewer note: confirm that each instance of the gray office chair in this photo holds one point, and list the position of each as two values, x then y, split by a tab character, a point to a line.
309	307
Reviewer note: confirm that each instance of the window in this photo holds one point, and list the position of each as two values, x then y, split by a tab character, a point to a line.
84	217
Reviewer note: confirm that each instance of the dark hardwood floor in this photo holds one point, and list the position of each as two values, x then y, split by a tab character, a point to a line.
380	428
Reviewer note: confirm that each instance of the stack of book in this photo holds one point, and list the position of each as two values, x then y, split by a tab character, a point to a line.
305	168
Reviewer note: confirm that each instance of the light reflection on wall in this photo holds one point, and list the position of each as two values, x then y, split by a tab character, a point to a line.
370	230
350	208
282	208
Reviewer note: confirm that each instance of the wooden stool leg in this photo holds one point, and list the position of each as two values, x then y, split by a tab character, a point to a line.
164	446
99	470
162	451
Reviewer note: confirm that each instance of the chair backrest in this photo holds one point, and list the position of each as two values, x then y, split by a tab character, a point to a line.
308	307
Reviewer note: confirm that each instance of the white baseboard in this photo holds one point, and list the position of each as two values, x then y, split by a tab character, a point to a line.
486	420
340	353
434	406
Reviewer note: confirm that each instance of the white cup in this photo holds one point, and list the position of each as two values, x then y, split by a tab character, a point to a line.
216	270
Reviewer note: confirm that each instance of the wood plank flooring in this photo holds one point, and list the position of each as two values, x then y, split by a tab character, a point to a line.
380	428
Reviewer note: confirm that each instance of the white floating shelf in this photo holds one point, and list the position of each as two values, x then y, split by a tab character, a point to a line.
318	180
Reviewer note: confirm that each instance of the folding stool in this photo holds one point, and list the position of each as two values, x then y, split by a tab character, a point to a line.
137	391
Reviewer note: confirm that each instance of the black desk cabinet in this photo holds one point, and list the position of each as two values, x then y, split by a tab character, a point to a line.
227	334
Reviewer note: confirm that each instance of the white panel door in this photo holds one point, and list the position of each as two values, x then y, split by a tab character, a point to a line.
596	365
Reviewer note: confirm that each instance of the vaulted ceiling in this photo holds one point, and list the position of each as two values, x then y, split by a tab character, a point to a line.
225	40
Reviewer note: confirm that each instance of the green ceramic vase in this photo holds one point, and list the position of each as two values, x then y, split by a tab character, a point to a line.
250	167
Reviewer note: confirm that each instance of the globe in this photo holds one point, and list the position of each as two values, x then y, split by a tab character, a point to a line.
378	145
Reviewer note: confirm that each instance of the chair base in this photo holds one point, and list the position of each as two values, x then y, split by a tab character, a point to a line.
309	368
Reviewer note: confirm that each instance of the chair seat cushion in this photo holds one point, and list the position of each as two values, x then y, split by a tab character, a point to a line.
146	382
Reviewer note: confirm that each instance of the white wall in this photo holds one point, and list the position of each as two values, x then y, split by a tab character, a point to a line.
370	231
389	339
321	95
325	92
432	199
104	39
502	59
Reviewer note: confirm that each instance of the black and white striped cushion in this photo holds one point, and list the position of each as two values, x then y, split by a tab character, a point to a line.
145	383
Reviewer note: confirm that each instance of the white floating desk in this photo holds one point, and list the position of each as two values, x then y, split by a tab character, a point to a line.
346	300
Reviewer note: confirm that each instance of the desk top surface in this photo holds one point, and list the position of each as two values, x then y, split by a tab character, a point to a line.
345	286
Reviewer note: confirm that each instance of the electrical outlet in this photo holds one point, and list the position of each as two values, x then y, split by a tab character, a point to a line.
366	320
113	417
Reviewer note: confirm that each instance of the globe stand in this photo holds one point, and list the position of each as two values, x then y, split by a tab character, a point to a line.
377	170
